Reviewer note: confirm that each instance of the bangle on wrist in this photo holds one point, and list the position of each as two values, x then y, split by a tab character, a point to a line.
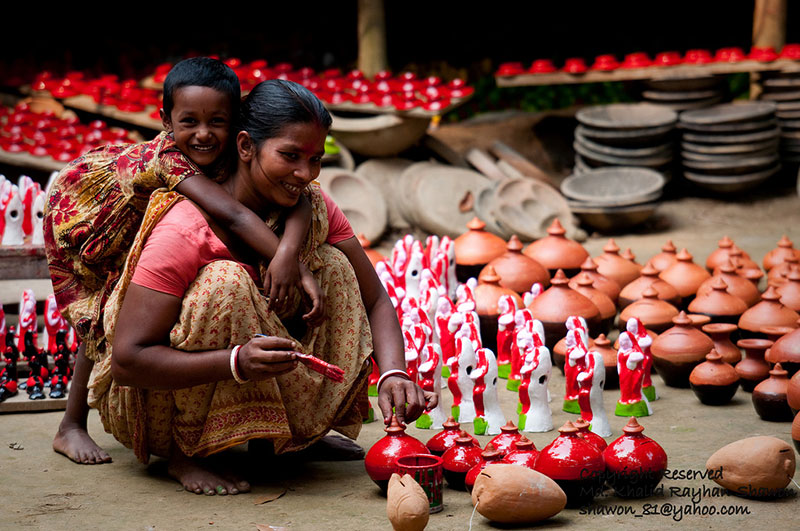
393	372
235	365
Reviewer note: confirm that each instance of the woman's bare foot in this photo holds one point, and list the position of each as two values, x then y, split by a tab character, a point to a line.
73	441
196	477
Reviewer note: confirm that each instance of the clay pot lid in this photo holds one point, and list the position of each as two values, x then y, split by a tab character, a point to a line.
651	310
719	328
682	319
464	439
775	256
451	424
568	429
524	444
725	243
649	278
665	258
785	242
560	301
556	229
684	275
699	320
476	246
649	271
632	427
628	255
611	247
395	428
509	428
777	332
589	265
557	251
490	453
514	244
718	301
713	371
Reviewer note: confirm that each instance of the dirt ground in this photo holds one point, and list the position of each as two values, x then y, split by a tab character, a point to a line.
43	490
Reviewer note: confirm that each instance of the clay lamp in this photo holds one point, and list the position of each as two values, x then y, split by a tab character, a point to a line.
555	251
476	248
559	352
373	255
769	396
517	271
697	57
488	456
523	453
380	459
666	257
667	59
753	368
487	294
575	65
777	255
504	443
721	254
603	283
685	276
768	312
679	350
542	66
636	60
459	459
785	350
649	278
607	308
764	54
790	291
714	381
603	346
779	275
446	439
737	285
718	304
729	55
557	304
793	393
720	334
791	52
611	265
575	464
605	63
635	463
655	314
510	69
588	435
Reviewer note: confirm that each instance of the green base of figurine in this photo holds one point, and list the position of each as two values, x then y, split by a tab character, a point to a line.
455	411
636	409
571	406
503	371
649	392
370	416
445	372
513	385
424	422
372	390
480	425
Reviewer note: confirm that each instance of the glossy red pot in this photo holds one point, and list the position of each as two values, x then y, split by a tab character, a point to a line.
504	442
458	460
380	459
446	439
635	463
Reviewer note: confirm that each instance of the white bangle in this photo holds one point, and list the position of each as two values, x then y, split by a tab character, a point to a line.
393	372
234	369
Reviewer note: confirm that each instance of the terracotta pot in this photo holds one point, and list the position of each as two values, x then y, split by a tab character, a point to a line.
487	293
518	272
737	285
523	454
373	255
721	254
714	381
778	255
666	257
603	345
476	248
718	304
458	460
793	393
446	439
753	368
796	433
720	334
779	275
559	352
655	314
698	320
768	312
649	278
741	259
770	397
610	264
555	251
504	442
677	351
685	276
607	308
576	465
590	436
790	291
786	351
380	459
557	304
488	456
635	463
603	283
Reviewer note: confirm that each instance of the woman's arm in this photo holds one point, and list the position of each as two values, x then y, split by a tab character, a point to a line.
404	395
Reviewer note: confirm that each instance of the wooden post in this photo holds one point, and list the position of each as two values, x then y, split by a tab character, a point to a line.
769	29
371	37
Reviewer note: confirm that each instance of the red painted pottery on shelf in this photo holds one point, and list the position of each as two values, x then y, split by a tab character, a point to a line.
698	320
576	465
555	251
770	397
714	381
542	66
476	248
380	459
718	304
666	257
590	436
524	454
636	60
446	439
685	276
776	256
605	63
668	59
786	351
720	334
697	57
517	271
607	308
679	350
790	291
458	460
768	312
635	463
753	368
575	65
721	254
488	456
649	278
504	442
606	285
737	285
655	314
611	265
603	346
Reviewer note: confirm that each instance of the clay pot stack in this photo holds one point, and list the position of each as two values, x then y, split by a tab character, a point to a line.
684	94
783	89
731	147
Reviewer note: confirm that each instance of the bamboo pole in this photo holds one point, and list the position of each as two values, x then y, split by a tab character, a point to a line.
371	37
769	29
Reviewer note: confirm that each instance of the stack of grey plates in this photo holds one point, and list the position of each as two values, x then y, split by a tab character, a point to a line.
625	134
783	89
683	94
730	147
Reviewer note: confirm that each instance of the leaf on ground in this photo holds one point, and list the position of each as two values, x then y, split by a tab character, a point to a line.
269	498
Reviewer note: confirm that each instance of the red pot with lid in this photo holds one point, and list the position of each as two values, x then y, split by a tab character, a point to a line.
458	460
446	439
635	463
380	459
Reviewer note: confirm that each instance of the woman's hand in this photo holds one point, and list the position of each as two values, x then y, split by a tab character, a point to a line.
266	357
407	398
316	314
282	275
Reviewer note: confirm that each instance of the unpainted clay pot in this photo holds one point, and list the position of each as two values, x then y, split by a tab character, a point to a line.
611	265
607	308
718	304
753	368
685	276
509	434
588	435
476	248
666	257
649	278
446	439
720	255
524	453
512	494
406	504
768	312
555	251
489	455
790	291
737	285
756	467
796	432
654	313
517	271
770	397
603	283
679	350
741	259
487	293
714	381
380	459
459	459
559	352
603	345
793	393
779	275
777	255
720	334
373	255
556	304
784	353
699	320
635	463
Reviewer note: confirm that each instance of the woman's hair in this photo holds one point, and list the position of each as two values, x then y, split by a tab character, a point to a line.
202	72
274	104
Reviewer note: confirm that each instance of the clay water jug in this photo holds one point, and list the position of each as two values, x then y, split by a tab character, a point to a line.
685	276
753	369
476	248
635	463
718	304
666	257
606	285
649	278
768	312
517	271
720	334
555	251
679	350
737	285
610	264
770	397
714	381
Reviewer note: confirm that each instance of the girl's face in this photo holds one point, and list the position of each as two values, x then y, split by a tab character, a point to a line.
200	122
284	165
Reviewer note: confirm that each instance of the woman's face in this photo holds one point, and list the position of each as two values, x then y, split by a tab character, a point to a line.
284	165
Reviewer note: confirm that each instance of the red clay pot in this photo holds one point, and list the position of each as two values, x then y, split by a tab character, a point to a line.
523	454
446	439
610	264
666	257
476	248
380	459
737	285
603	283
786	351
776	256
718	304
590	436
685	276
770	397
714	381
768	312
649	278
720	334
721	254
504	442
635	463
557	304
458	460
556	252
488	456
753	368
655	314
517	271
679	350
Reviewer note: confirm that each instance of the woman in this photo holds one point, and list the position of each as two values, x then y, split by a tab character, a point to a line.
186	376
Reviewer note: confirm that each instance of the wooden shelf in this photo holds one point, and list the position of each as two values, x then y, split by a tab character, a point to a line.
21	403
140	119
371	108
26	160
23	262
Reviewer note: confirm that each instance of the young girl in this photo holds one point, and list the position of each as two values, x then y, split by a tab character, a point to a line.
96	205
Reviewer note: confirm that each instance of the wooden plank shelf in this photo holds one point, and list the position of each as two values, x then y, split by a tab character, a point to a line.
22	404
26	160
139	119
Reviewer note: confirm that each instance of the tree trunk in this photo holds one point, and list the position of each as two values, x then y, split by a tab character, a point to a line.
371	37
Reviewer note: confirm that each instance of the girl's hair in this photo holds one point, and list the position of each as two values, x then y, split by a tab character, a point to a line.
202	72
276	103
